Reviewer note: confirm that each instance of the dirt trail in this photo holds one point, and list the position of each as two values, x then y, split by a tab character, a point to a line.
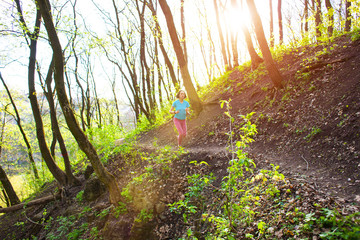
311	128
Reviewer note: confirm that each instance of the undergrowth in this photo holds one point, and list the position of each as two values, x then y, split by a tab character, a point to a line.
253	203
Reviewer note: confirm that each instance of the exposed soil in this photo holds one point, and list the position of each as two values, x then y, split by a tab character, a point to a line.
328	100
310	129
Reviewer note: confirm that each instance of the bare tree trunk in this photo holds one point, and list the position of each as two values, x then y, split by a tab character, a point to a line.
46	154
107	178
222	41
183	39
88	109
9	193
255	58
227	46
18	121
347	16
318	19
138	99
281	32
97	99
306	15
146	72
9	190
274	73
71	179
59	175
168	63
158	69
113	89
331	17
271	24
193	96
233	38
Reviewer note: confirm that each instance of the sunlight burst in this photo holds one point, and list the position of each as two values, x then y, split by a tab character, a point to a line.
236	18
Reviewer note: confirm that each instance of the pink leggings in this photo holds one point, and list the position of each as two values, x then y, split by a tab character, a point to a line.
181	128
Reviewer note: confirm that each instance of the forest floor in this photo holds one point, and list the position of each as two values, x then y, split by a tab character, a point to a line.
310	129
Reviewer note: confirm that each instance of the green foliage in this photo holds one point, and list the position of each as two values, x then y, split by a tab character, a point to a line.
94	232
355	35
104	139
144	216
222	83
104	213
120	209
65	228
194	198
236	205
311	135
252	76
79	196
334	225
161	116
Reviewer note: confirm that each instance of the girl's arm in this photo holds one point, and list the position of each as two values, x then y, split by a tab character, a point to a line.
187	110
172	110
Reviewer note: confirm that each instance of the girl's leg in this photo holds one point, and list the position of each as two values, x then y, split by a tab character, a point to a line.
181	128
182	133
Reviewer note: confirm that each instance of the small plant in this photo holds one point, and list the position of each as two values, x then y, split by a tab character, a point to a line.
355	35
103	213
120	209
312	88
144	216
286	97
344	117
94	232
79	196
261	227
311	135
304	76
265	89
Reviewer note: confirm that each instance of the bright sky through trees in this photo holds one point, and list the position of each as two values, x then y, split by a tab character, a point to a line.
14	52
199	17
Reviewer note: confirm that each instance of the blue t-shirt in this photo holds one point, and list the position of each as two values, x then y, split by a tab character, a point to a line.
181	107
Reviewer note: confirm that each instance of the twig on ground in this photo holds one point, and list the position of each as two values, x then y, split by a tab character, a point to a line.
307	164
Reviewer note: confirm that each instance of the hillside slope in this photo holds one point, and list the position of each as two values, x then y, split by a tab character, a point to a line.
311	128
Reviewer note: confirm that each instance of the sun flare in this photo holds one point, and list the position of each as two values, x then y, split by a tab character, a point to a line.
236	18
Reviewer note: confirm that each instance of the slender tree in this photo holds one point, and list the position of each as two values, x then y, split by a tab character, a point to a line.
306	15
10	195
255	58
19	124
221	36
330	12
58	174
146	73
9	192
233	38
158	34
107	178
271	24
48	91
347	15
274	73
318	18
281	32
193	96
183	38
